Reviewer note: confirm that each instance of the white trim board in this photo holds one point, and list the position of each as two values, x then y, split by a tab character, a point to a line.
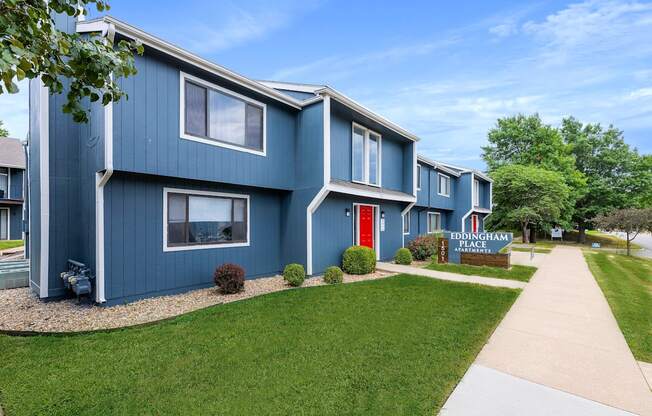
167	248
343	189
44	172
100	25
182	116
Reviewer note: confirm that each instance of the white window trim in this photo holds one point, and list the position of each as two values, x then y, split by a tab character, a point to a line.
166	191
365	155
182	119
476	193
8	174
428	222
448	195
8	223
418	177
356	219
407	216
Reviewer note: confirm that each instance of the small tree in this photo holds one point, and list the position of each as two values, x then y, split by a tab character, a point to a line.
525	196
630	221
3	131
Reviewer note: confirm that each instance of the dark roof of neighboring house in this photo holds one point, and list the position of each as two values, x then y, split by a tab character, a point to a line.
12	154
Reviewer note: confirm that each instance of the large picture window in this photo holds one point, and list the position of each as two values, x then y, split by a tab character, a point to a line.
366	156
206	219
213	115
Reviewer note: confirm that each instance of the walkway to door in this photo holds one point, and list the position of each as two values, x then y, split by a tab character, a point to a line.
558	351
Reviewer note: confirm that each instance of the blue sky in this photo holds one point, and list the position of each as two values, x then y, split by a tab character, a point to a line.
444	70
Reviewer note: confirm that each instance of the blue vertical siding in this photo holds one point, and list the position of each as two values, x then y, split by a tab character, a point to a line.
16	180
138	267
423	193
440	201
333	230
147	140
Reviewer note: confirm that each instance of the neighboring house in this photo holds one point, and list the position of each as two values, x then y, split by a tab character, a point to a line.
12	182
202	166
449	198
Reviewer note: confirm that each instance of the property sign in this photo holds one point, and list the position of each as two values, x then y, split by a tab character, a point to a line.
479	243
442	250
556	232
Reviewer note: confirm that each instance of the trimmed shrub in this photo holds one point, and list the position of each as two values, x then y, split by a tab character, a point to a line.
403	256
229	278
294	274
423	247
333	275
359	260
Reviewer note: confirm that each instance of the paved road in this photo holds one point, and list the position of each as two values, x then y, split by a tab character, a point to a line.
645	240
557	351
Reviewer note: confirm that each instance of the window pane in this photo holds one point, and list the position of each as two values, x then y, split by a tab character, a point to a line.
4	224
176	218
209	219
358	154
227	117
4	186
406	223
418	176
373	159
254	127
195	109
239	220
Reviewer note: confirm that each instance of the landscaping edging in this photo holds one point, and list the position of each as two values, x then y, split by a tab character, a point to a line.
25	315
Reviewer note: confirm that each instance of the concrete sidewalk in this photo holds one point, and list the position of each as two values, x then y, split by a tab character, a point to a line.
488	281
560	334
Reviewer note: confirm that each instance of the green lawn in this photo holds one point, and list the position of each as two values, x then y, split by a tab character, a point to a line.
5	244
570	238
516	272
627	285
393	346
539	250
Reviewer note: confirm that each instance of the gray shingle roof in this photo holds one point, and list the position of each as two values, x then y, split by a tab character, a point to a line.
12	153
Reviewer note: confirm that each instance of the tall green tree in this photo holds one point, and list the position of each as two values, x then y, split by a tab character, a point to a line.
526	140
527	196
31	46
617	176
3	131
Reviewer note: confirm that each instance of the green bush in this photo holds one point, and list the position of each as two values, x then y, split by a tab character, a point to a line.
359	260
423	247
403	256
294	274
333	275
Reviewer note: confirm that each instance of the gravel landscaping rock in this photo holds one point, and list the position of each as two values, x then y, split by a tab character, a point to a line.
23	311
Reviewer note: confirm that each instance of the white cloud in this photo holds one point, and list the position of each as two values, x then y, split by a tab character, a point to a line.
503	30
640	93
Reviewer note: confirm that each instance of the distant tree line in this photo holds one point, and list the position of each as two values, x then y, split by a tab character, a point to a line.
568	175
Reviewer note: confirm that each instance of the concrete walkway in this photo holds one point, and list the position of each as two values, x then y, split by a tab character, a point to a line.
560	339
488	281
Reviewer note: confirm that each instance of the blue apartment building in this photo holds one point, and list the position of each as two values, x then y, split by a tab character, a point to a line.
12	185
202	166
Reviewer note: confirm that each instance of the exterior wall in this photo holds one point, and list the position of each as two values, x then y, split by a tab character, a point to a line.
16	183
428	195
484	193
462	201
147	138
419	222
333	230
396	153
468	223
34	189
137	266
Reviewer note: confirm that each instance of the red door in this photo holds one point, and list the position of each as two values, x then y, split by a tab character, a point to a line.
474	223
366	226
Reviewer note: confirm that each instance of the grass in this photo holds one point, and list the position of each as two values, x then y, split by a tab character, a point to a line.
393	346
5	244
627	285
539	250
516	272
570	238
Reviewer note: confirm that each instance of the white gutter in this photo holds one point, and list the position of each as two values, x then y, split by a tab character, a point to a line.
98	25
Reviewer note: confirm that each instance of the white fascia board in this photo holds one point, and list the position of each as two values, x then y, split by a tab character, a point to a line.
290	86
438	165
179	53
367	113
333	187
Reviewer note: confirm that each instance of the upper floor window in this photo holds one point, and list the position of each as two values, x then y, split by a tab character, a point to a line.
197	219
366	156
476	192
418	177
4	183
444	185
214	115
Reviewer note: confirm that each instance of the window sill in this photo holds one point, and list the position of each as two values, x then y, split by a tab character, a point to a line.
367	183
222	144
444	195
204	246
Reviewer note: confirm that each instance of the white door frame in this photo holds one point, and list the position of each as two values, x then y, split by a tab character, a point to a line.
356	225
8	222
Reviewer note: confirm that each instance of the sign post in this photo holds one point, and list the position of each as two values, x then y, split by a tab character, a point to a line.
442	250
